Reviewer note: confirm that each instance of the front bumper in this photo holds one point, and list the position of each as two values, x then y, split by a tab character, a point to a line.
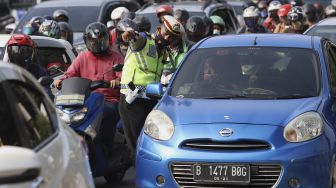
309	162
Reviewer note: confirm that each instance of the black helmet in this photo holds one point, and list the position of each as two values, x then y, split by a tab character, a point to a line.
61	15
127	24
143	23
181	15
310	11
66	32
97	38
208	25
36	19
195	28
296	14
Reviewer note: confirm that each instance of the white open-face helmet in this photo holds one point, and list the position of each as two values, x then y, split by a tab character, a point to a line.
274	5
251	12
118	12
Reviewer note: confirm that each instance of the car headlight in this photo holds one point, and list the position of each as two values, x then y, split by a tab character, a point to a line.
304	127
159	126
72	118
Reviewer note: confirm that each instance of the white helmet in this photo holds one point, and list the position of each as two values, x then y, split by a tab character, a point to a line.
118	12
274	5
251	12
173	25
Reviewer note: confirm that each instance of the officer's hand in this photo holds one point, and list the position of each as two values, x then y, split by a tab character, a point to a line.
114	83
127	36
58	84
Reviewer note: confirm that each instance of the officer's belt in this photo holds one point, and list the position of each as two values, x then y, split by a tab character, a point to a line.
141	88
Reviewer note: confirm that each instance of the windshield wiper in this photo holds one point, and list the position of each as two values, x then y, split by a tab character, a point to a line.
295	96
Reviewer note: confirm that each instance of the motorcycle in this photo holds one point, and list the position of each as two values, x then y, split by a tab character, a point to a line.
82	110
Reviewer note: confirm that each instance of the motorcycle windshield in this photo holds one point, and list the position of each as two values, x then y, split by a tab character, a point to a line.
74	92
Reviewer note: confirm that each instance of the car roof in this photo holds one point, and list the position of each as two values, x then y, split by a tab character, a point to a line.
327	21
190	6
269	40
4	39
72	3
42	41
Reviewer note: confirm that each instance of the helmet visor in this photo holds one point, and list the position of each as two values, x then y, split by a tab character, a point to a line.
98	45
251	22
20	54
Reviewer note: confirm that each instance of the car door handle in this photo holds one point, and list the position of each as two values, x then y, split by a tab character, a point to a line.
38	182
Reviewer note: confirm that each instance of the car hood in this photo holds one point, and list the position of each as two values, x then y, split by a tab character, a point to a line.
262	112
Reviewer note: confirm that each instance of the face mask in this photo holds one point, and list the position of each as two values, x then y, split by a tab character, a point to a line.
216	32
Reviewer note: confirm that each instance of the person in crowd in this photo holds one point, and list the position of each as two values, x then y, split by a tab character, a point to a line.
330	11
273	19
121	45
116	15
295	17
96	63
263	12
61	15
162	11
50	28
22	51
143	23
31	28
143	65
66	31
182	15
319	11
208	26
296	3
284	22
251	18
218	27
196	30
310	13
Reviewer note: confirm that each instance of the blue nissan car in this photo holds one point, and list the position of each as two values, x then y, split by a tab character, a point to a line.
256	110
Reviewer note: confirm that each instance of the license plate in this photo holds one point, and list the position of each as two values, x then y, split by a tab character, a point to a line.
222	173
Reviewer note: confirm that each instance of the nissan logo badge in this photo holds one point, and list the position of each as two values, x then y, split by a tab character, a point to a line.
226	132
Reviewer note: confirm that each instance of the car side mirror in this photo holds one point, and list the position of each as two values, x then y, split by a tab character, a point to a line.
154	91
25	166
10	28
45	80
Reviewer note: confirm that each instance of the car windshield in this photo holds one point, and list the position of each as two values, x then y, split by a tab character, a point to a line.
155	21
76	15
53	56
248	72
324	31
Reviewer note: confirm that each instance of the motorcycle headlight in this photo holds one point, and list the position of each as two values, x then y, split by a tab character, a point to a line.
72	118
304	127
159	126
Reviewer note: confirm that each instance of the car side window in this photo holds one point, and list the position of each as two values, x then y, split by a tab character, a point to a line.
54	56
34	124
331	61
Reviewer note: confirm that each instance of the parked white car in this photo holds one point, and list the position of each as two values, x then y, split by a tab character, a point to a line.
3	41
36	149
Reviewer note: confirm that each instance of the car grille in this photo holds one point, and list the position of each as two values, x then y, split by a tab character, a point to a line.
227	145
262	176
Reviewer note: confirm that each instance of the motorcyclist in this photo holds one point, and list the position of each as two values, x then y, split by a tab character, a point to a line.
310	13
22	51
50	28
251	18
120	45
263	12
66	32
116	16
162	11
172	32
295	16
182	15
96	63
61	15
143	65
208	26
330	11
218	25
319	11
31	28
273	19
196	30
143	23
284	22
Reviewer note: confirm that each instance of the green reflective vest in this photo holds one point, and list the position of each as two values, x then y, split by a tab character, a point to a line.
142	67
173	59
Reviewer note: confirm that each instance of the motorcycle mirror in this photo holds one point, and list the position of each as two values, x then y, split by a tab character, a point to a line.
118	67
45	80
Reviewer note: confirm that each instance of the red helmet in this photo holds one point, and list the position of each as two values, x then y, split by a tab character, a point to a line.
284	9
20	49
21	40
167	9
